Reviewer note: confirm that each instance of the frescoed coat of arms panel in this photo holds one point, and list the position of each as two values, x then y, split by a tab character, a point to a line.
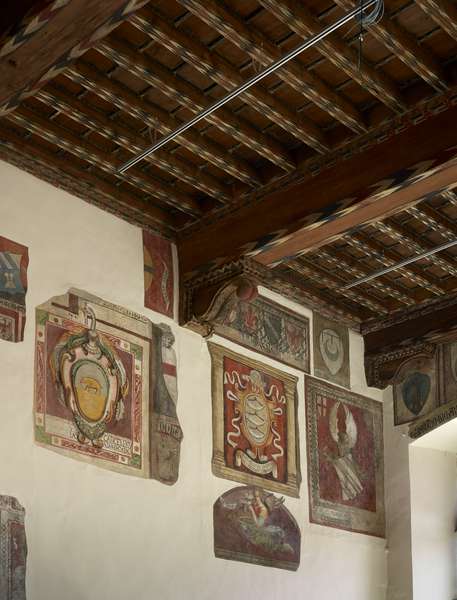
106	387
13	287
158	274
345	459
13	549
448	373
254	422
331	351
415	389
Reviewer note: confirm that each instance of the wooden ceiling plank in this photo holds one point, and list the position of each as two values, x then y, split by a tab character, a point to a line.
81	112
226	75
294	286
408	239
57	36
263	50
113	199
158	119
388	258
300	19
179	90
50	131
322	278
443	12
435	220
404	45
383	284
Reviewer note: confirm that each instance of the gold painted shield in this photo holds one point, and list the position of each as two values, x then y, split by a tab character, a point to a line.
91	390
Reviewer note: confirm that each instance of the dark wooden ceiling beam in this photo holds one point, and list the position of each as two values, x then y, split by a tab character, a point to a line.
388	177
156	118
386	257
424	323
443	12
404	45
300	19
409	240
50	167
322	278
347	265
81	112
263	50
180	91
37	54
224	74
61	137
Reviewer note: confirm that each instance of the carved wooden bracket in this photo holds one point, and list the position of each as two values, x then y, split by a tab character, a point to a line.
203	296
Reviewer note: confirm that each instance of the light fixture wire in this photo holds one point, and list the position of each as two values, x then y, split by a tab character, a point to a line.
360	12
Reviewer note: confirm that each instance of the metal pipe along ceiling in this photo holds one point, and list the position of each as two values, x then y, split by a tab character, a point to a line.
358	13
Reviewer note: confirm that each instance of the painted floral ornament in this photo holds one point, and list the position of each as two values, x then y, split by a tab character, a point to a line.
91	380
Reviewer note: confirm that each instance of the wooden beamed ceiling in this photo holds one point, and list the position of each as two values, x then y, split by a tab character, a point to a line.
335	166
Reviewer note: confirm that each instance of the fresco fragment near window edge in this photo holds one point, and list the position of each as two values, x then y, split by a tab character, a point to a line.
345	459
255	437
158	274
415	389
252	525
106	387
14	260
448	372
331	351
13	549
264	326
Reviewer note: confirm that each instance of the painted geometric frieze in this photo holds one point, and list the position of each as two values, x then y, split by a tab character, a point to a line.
14	260
253	526
345	459
13	549
331	351
255	440
266	327
158	274
105	387
415	389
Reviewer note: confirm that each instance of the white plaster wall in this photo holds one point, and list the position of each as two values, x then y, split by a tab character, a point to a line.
433	503
98	535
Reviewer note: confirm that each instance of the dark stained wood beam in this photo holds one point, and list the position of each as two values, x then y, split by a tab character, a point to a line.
301	20
59	171
61	33
156	118
82	112
179	90
365	187
404	45
224	74
84	149
424	322
443	12
217	15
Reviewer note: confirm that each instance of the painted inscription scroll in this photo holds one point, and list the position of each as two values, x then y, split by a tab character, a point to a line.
266	327
331	350
158	274
13	549
253	526
345	459
414	389
254	422
14	260
105	389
